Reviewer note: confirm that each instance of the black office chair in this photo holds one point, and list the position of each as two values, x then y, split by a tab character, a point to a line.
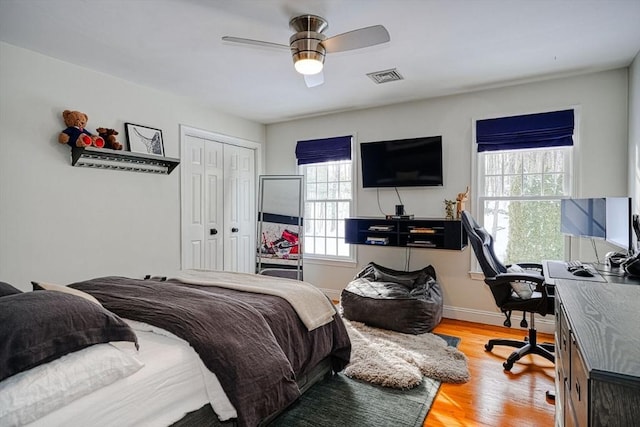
500	282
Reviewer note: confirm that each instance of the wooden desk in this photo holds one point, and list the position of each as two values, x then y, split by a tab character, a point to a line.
556	270
597	354
616	275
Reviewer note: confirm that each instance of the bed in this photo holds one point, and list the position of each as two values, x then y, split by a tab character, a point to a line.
215	349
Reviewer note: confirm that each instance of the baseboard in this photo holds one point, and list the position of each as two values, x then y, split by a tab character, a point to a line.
543	324
334	294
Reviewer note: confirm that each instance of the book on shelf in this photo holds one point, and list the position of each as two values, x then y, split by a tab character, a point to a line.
422	230
422	244
377	240
381	228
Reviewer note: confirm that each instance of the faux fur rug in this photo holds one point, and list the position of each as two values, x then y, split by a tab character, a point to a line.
393	359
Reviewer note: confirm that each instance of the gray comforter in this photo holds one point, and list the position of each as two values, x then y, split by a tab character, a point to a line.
255	344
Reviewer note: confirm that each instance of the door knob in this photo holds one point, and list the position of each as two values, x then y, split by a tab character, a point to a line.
234	230
213	231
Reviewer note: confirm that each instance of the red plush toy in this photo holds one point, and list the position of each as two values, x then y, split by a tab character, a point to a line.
75	134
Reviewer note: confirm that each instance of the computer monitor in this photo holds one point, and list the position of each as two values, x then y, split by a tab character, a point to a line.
584	217
619	223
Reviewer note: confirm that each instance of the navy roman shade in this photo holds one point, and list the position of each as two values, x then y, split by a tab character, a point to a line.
552	129
323	150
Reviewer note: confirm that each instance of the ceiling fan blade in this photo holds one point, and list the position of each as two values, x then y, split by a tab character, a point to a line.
356	39
313	80
252	42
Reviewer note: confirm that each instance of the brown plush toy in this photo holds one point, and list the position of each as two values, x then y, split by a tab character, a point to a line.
109	136
75	134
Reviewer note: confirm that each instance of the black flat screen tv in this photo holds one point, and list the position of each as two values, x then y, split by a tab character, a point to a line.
415	162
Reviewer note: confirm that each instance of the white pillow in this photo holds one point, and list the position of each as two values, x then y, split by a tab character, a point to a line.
522	289
31	394
66	289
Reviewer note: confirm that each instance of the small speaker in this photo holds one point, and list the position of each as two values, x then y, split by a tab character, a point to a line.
399	210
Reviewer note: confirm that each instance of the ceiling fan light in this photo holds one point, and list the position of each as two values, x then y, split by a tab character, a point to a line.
308	66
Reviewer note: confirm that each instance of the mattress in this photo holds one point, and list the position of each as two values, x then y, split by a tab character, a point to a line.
169	385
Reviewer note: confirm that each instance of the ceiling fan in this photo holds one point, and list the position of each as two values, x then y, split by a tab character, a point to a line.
309	46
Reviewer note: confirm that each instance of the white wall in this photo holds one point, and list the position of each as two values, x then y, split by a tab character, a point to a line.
60	223
602	154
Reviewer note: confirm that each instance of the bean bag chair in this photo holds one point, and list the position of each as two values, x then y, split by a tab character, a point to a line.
403	301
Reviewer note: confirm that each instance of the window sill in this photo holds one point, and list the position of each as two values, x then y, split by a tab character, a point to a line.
346	263
476	275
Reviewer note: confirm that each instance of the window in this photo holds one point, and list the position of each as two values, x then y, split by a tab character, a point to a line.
328	175
519	201
524	169
328	194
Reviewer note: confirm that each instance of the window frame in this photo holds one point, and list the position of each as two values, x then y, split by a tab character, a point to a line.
477	165
351	257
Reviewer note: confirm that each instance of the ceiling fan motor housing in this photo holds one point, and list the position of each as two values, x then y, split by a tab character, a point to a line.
306	43
307	22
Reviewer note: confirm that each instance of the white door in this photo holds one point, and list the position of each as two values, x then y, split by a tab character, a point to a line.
239	210
217	206
202	212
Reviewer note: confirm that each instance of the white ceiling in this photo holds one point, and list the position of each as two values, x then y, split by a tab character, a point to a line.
440	47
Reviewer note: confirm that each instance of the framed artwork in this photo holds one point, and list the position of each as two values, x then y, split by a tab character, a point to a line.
143	139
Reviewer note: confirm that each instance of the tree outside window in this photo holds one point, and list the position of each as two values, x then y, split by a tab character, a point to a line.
519	195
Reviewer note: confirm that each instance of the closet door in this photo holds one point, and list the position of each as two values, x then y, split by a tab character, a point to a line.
202	205
218	206
239	209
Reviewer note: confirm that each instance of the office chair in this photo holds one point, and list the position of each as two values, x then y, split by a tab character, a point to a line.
500	282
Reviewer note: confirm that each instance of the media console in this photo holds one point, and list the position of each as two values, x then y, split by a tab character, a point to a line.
431	233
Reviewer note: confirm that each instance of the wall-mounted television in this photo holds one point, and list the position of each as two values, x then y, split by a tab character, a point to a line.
414	162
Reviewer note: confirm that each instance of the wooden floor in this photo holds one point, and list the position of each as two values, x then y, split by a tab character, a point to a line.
494	397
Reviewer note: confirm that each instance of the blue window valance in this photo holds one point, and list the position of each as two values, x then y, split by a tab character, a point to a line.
552	129
323	150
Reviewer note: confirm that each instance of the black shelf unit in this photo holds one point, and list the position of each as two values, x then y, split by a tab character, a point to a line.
105	158
428	233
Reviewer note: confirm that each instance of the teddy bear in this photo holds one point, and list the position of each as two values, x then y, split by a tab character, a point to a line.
75	134
109	136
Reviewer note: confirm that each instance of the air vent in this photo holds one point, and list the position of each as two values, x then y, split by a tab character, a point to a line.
385	76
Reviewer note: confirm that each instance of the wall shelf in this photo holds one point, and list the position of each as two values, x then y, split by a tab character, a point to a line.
429	233
105	158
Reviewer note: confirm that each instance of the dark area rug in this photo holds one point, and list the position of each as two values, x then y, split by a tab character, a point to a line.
344	402
339	401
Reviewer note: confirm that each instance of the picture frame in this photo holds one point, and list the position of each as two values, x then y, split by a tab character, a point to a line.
144	139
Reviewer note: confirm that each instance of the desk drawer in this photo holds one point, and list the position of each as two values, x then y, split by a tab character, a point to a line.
578	385
563	348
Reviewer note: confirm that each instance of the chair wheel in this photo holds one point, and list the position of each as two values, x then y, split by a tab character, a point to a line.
488	347
507	365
